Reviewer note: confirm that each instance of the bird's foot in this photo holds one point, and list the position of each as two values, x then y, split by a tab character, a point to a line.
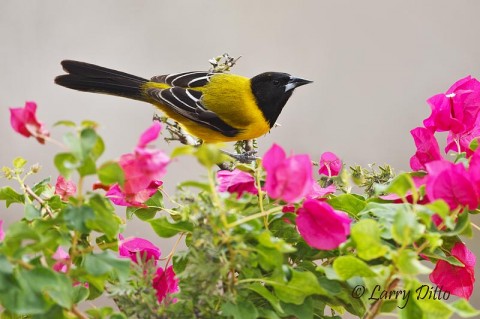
245	158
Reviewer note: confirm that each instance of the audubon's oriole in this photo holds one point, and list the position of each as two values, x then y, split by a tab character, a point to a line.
215	107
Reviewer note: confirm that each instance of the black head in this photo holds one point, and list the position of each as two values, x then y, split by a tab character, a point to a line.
272	91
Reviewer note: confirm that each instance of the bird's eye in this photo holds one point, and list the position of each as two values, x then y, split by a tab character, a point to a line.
276	82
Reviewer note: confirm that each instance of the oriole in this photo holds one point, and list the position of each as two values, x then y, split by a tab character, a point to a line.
215	107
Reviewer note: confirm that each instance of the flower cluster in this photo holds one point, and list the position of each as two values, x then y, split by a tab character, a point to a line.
457	112
139	250
143	170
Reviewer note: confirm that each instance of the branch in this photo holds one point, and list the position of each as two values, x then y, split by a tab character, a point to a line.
38	199
375	307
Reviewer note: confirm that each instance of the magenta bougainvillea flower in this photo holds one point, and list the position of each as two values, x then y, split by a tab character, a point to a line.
451	183
288	178
456	110
143	170
62	258
330	164
457	280
65	188
165	283
461	142
427	148
321	226
134	246
318	192
236	181
2	234
24	121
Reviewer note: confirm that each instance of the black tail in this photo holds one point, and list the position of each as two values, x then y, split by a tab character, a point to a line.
92	78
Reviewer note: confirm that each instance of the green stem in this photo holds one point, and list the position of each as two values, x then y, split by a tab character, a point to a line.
255	216
260	196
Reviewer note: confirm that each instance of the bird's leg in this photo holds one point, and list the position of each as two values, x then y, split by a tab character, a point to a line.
176	132
246	157
245	151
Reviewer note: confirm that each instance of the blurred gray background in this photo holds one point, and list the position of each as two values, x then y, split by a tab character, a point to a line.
374	64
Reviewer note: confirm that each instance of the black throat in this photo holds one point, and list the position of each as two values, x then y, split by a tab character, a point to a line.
270	99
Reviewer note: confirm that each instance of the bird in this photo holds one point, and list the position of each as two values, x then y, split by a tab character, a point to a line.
212	106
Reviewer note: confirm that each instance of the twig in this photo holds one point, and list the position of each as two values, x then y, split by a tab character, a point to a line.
375	307
38	199
170	255
78	313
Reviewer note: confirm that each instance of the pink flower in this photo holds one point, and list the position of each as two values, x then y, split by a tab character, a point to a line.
165	283
288	178
143	170
65	188
24	121
457	109
236	181
427	148
131	247
318	192
62	258
2	234
321	226
457	280
451	183
461	142
330	164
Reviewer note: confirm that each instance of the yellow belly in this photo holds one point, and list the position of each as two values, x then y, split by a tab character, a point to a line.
230	97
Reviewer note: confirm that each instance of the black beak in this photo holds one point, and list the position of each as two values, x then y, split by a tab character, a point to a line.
295	82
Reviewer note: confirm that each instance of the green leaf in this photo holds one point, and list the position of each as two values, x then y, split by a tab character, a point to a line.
62	292
88	139
440	207
88	124
463	308
352	204
154	205
10	196
406	229
348	266
434	309
87	167
268	240
269	258
300	285
165	229
80	294
209	155
31	212
199	185
401	185
265	293
243	309
105	220
76	218
408	263
107	263
43	187
110	173
65	123
183	150
66	163
410	309
366	235
302	311
474	144
19	162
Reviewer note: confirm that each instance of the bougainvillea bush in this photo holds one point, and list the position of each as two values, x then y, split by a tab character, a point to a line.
280	237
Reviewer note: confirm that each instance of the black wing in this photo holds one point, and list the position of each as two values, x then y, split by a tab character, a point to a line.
188	103
186	80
